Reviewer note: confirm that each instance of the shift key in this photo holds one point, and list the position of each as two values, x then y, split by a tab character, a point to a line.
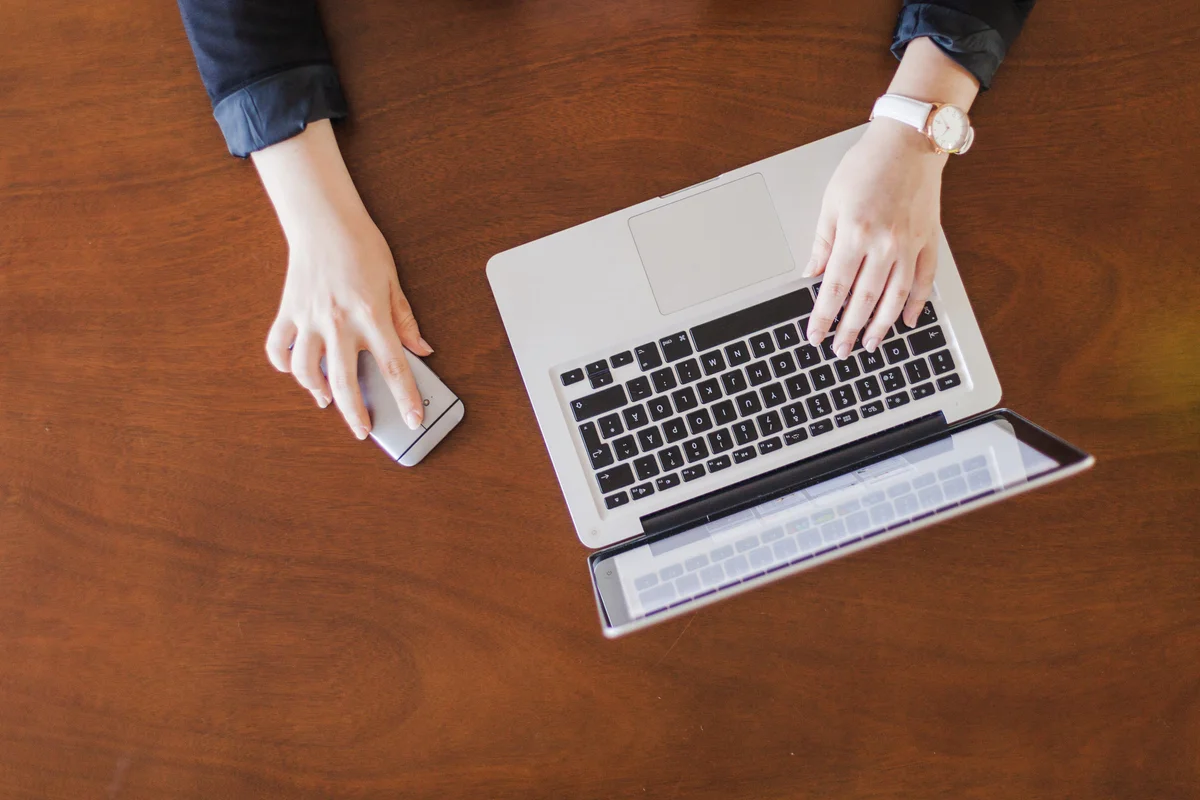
601	402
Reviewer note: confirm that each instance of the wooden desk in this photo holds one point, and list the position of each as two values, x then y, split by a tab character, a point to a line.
209	589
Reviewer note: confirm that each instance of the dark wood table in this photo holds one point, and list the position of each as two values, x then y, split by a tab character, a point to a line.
209	589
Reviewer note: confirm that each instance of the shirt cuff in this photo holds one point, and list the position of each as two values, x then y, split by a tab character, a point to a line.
278	107
968	40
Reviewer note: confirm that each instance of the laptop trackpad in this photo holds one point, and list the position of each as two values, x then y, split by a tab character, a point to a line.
711	243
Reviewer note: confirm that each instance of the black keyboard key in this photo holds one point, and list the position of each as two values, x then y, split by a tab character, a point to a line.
688	371
818	406
797	386
843	397
782	364
685	399
670	459
942	362
925	340
674	430
691	473
599	379
617	477
769	423
597	366
923	390
695	449
773	395
897	400
770	445
720	440
600	456
871	409
786	336
618	499
635	417
646	467
745	454
713	362
709	390
664	380
755	318
611	426
758	373
868	388
724	412
638	388
762	345
667	482
745	432
917	370
846	418
948	382
824	426
644	490
795	437
738	353
871	361
893	379
590	435
794	415
807	356
620	359
571	376
650	439
719	463
647	356
660	408
827	349
748	403
895	351
676	346
625	448
734	382
847	369
822	377
699	420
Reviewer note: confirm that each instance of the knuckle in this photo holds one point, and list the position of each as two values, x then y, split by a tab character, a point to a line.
867	297
395	368
836	288
341	381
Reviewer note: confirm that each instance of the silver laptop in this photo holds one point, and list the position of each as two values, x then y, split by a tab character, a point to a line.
702	445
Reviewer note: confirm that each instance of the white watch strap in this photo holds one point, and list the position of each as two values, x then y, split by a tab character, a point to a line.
904	109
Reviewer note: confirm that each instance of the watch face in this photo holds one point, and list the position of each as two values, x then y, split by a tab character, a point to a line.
950	128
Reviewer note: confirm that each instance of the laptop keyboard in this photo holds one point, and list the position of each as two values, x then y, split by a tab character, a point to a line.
742	386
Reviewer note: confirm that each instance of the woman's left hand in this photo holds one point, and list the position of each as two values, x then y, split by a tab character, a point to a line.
877	237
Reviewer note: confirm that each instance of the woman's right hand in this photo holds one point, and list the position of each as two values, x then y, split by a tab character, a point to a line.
341	294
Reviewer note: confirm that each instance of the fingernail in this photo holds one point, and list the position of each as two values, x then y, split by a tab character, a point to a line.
413	419
808	271
813	339
425	345
871	342
360	432
842	350
322	401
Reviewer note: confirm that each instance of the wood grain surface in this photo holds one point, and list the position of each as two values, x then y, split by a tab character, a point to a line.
209	589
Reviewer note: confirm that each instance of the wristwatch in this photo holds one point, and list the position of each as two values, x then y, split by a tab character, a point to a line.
947	127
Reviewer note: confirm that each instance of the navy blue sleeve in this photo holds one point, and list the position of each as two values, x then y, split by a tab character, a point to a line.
975	33
266	67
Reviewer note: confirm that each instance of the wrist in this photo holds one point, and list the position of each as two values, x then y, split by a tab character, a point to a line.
903	141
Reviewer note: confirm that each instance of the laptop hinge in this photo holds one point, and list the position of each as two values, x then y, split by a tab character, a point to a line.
789	478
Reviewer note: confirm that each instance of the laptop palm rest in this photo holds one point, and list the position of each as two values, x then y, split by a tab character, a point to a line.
711	243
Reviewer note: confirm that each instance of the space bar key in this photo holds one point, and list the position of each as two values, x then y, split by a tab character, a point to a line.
755	318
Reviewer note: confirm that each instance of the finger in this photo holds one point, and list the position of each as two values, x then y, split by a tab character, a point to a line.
279	342
388	352
843	265
406	324
306	365
822	243
922	284
868	287
341	359
891	302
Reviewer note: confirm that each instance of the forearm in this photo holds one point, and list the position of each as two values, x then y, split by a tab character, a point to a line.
976	34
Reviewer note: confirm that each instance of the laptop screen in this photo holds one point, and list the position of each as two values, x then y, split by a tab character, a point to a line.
991	456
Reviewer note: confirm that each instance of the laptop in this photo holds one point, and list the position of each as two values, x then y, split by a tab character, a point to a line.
703	447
